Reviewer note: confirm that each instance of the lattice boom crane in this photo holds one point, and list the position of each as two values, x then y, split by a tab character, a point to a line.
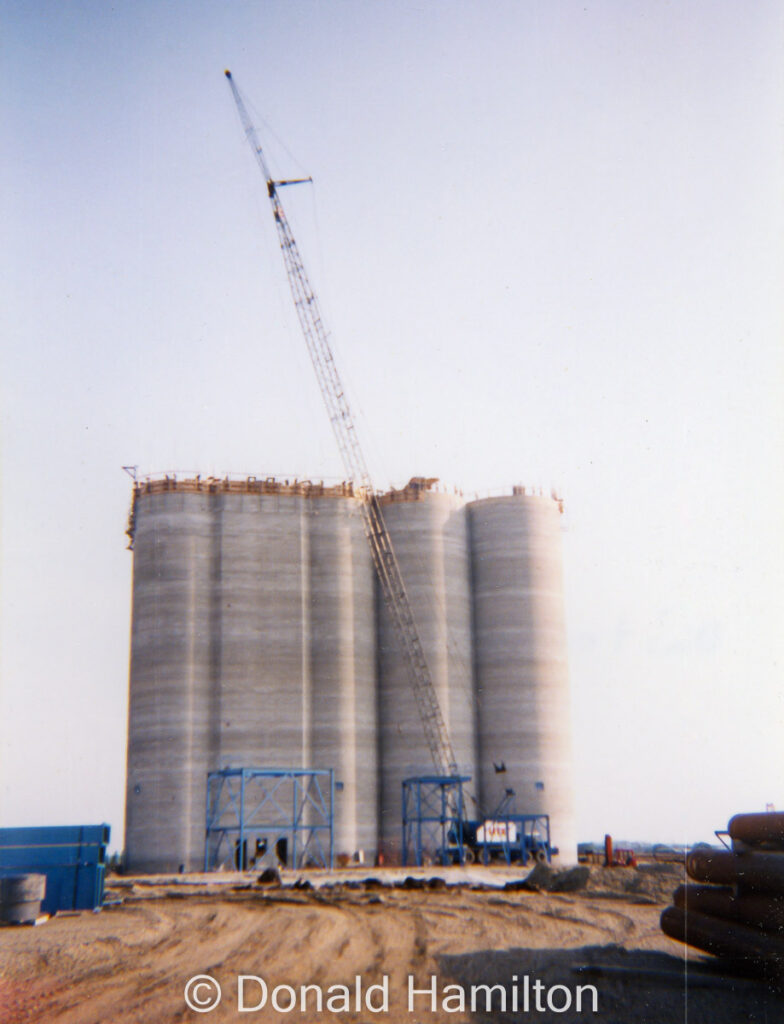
386	564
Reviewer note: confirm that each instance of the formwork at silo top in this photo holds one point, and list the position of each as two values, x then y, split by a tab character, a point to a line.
520	658
429	534
253	645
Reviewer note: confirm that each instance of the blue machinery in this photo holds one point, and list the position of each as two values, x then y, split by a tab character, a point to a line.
515	837
73	858
289	813
434	827
253	811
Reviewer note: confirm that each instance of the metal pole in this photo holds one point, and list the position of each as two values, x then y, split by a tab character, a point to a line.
294	825
331	818
404	794
207	825
242	821
444	790
419	824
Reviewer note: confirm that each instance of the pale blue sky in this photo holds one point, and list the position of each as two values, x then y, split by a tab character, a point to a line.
548	241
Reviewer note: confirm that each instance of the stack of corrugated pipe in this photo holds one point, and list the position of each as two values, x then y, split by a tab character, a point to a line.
736	911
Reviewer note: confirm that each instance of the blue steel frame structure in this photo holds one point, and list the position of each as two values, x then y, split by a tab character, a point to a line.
433	819
269	805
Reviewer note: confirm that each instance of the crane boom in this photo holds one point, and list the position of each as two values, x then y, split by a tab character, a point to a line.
339	410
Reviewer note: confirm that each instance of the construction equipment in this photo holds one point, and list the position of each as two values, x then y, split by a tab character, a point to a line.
333	393
72	857
436	827
453	808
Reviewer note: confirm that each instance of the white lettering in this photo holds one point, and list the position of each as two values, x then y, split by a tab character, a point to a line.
523	994
303	997
488	991
567	1004
538	986
340	1002
421	992
241	1005
594	997
290	993
383	990
458	998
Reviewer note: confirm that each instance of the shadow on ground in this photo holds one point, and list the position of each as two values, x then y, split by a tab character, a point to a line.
632	987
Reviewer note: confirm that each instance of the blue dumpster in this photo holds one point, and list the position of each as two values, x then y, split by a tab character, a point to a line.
73	858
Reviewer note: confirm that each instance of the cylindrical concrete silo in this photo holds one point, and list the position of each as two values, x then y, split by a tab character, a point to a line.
171	712
343	665
253	645
521	660
263	664
430	537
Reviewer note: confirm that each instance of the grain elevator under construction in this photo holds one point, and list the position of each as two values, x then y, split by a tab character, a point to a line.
336	669
260	639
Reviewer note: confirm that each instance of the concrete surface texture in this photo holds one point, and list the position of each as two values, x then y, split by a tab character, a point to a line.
521	662
259	639
430	538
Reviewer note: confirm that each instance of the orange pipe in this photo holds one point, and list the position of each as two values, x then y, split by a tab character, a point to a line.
608	851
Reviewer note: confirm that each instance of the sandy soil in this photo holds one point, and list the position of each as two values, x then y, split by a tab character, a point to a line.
131	961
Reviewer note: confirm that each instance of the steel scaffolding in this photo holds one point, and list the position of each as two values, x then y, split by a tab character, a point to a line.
433	819
284	812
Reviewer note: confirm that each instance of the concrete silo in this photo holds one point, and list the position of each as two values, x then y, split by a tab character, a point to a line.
253	645
262	629
342	665
520	657
259	640
429	532
172	720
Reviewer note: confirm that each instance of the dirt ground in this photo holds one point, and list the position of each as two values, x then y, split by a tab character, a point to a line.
131	961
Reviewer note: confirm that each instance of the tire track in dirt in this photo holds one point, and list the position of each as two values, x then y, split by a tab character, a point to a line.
131	962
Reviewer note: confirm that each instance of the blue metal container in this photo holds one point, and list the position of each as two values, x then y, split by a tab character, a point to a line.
73	858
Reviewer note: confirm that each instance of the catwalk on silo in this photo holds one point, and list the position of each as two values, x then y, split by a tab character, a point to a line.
260	639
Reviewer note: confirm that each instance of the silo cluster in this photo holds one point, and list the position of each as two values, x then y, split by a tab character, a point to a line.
259	639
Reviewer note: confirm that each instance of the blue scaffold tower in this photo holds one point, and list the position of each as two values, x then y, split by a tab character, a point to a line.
283	813
433	820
